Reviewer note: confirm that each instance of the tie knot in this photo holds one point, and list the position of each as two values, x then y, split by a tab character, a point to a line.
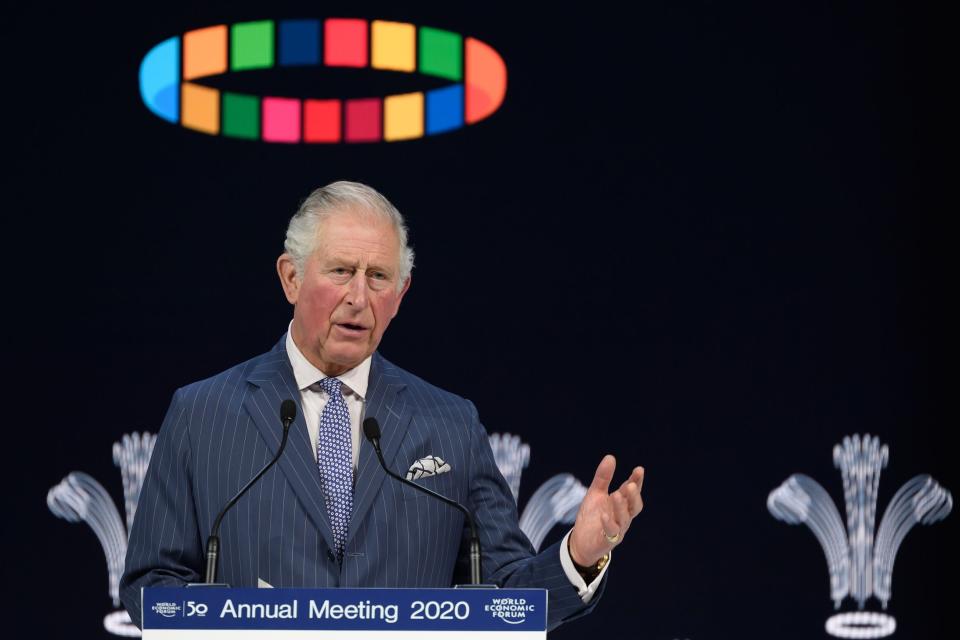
331	386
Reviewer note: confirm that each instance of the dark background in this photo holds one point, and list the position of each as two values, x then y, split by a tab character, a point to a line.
708	237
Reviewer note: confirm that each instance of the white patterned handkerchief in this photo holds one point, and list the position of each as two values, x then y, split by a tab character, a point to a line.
426	467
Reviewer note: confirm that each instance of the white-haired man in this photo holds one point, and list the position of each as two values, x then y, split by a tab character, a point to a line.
326	517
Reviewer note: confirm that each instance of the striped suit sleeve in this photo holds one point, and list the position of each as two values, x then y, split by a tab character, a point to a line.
508	557
164	547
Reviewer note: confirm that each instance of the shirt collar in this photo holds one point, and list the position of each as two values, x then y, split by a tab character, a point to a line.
306	374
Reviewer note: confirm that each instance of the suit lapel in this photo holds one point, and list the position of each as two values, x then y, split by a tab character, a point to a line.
274	382
387	403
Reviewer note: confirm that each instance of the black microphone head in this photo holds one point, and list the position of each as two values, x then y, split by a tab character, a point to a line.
288	412
371	429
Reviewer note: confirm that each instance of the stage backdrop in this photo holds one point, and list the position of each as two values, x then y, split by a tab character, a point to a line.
698	235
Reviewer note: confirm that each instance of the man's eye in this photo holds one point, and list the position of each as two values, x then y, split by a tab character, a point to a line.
340	274
378	275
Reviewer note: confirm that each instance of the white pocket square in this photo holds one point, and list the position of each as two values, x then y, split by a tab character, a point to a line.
426	467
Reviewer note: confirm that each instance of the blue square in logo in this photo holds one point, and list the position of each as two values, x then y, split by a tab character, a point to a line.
445	109
299	42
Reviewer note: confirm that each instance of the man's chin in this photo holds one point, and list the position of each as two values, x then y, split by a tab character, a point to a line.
347	359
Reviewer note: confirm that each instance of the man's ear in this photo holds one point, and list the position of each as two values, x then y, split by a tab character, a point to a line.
287	271
403	292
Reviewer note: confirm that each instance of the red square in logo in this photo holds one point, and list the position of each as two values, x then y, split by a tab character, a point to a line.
321	120
345	42
364	123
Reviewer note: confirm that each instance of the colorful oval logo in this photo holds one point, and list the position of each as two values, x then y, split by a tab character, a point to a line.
477	75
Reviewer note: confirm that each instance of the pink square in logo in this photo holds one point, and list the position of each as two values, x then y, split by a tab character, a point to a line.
281	120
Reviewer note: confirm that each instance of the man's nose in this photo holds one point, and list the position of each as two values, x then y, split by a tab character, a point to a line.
357	290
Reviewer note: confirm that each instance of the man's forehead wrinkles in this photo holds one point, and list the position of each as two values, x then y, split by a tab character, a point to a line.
357	260
354	247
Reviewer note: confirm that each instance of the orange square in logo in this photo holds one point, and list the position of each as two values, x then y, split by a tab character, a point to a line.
200	108
205	52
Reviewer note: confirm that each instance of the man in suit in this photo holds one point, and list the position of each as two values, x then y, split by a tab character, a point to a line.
326	517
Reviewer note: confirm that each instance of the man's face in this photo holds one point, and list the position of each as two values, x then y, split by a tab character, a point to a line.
347	293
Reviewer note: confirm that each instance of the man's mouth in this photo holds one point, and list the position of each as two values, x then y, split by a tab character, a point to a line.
351	327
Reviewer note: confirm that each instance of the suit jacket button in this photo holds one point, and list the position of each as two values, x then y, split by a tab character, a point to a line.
331	555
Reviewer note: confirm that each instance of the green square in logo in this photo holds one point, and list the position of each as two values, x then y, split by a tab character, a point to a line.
251	45
441	53
241	116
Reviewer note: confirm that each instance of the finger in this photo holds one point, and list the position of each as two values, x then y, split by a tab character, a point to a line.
612	531
631	492
610	528
637	476
634	479
604	474
634	500
620	511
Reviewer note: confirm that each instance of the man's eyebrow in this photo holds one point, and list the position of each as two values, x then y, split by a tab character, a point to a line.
371	266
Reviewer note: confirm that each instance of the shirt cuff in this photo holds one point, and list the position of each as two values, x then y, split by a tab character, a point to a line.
585	590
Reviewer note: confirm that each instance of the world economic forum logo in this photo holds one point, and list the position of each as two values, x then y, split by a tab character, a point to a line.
172	72
80	498
860	559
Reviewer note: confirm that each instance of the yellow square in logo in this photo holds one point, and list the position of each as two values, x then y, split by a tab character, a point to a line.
394	46
403	116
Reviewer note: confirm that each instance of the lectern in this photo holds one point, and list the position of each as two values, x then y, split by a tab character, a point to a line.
214	613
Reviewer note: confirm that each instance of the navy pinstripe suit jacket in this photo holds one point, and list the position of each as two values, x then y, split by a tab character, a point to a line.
220	431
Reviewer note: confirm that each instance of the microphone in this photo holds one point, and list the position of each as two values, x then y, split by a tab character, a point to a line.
288	412
371	430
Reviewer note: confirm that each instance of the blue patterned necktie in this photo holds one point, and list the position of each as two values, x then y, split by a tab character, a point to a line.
335	459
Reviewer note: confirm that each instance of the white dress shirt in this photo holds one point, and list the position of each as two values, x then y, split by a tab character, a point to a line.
313	399
354	388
